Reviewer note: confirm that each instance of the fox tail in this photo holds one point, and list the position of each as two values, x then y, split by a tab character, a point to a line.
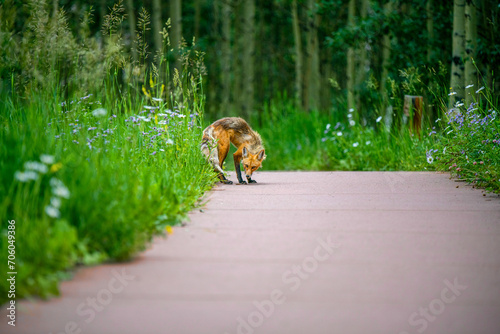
209	149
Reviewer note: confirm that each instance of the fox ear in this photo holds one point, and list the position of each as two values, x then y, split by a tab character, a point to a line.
261	155
245	152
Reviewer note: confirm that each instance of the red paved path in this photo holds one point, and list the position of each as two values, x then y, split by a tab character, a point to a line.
329	252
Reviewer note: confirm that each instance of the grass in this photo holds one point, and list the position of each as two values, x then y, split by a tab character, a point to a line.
91	170
298	140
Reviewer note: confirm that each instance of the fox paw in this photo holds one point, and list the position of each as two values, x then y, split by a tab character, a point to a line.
242	182
251	181
226	182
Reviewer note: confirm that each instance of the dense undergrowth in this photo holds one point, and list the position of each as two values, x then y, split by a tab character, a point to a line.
465	140
92	166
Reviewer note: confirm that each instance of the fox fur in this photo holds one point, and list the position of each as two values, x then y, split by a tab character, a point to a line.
216	141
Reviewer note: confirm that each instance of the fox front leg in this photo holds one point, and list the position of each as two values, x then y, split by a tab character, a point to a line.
237	167
249	178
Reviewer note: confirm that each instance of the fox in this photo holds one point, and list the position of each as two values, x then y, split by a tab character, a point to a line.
215	146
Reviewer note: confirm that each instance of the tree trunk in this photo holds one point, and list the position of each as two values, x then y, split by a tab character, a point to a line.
197	15
131	23
176	39
364	63
156	25
247	47
386	54
430	30
457	64
298	54
350	59
225	58
312	77
470	48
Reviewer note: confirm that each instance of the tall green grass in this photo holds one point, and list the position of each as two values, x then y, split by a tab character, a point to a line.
91	171
299	140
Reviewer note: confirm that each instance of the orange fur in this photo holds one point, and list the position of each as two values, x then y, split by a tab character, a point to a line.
216	143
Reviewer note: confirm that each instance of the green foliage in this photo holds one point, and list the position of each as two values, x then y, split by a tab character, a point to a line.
470	144
296	140
95	177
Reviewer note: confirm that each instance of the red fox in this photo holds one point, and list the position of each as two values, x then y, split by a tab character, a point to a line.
216	142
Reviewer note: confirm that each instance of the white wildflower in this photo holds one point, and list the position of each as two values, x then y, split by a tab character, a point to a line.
339	133
169	142
356	144
58	188
469	86
430	159
480	89
47	159
351	122
26	176
328	126
368	142
452	93
55	202
379	119
36	166
100	112
157	99
52	212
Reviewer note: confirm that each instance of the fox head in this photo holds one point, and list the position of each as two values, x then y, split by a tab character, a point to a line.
252	162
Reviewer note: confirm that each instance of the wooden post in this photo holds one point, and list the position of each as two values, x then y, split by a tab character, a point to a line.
413	108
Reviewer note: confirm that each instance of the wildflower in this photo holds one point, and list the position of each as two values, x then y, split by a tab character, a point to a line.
356	144
157	99
469	86
154	153
26	176
430	159
352	123
47	159
100	112
52	212
351	110
91	128
444	150
339	133
55	202
36	166
449	132
169	229
58	188
328	126
150	107
480	89
349	115
368	142
379	119
452	93
437	120
169	141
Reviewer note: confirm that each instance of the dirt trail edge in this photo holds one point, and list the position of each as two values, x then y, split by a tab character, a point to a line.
301	252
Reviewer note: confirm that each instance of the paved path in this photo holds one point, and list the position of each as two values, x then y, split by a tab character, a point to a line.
329	252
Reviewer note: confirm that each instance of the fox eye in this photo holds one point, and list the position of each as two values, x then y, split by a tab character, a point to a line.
246	166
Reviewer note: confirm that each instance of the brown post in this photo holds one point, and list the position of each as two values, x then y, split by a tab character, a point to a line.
415	105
